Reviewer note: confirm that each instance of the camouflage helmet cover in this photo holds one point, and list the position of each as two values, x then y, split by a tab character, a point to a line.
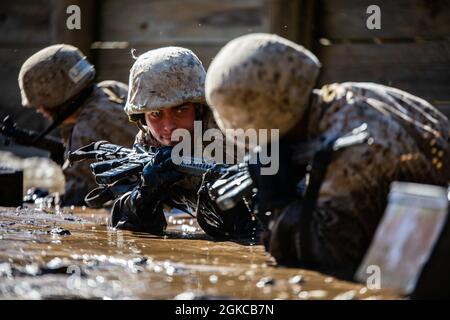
260	81
53	75
164	78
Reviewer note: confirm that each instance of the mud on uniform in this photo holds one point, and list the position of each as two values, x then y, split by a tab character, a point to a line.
265	81
60	76
410	143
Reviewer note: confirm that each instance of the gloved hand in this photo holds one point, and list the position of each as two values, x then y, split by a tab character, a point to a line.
277	190
160	174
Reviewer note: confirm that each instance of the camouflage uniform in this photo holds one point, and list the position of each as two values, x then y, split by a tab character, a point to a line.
58	77
410	143
100	117
353	195
173	76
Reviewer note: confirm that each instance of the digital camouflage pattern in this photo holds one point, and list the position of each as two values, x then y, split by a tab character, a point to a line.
410	143
100	117
263	81
164	78
252	70
53	75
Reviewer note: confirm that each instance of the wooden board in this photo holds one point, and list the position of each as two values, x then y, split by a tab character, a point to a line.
10	102
292	19
24	23
115	64
420	68
141	22
200	25
399	19
80	38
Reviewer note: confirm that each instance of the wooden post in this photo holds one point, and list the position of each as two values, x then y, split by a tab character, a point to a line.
292	19
82	38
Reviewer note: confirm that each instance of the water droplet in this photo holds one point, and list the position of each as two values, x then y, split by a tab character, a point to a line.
266	281
298	279
170	270
213	278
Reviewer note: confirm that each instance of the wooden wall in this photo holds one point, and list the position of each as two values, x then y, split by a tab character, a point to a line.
411	51
26	26
203	26
24	29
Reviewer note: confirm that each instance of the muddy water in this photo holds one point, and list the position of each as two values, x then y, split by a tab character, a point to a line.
72	254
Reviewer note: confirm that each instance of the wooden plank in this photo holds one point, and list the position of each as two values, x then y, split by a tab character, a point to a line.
115	64
399	18
24	23
420	68
140	21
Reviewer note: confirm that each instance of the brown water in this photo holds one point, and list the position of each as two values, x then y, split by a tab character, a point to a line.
95	262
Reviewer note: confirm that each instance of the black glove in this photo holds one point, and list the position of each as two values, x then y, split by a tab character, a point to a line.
277	190
160	174
136	212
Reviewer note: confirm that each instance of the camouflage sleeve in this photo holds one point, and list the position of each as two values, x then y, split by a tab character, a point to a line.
100	125
79	181
351	202
79	178
340	229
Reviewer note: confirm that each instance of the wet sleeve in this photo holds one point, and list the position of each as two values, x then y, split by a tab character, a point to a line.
338	231
332	241
100	125
137	211
78	176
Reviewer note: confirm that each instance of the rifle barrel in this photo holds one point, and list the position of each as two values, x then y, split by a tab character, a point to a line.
26	137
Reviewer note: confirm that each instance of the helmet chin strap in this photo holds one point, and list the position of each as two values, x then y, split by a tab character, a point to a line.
141	126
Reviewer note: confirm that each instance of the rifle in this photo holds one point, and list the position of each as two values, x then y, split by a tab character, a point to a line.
29	138
117	169
316	154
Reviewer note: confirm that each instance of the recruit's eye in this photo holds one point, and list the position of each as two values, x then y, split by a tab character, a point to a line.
182	109
154	114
